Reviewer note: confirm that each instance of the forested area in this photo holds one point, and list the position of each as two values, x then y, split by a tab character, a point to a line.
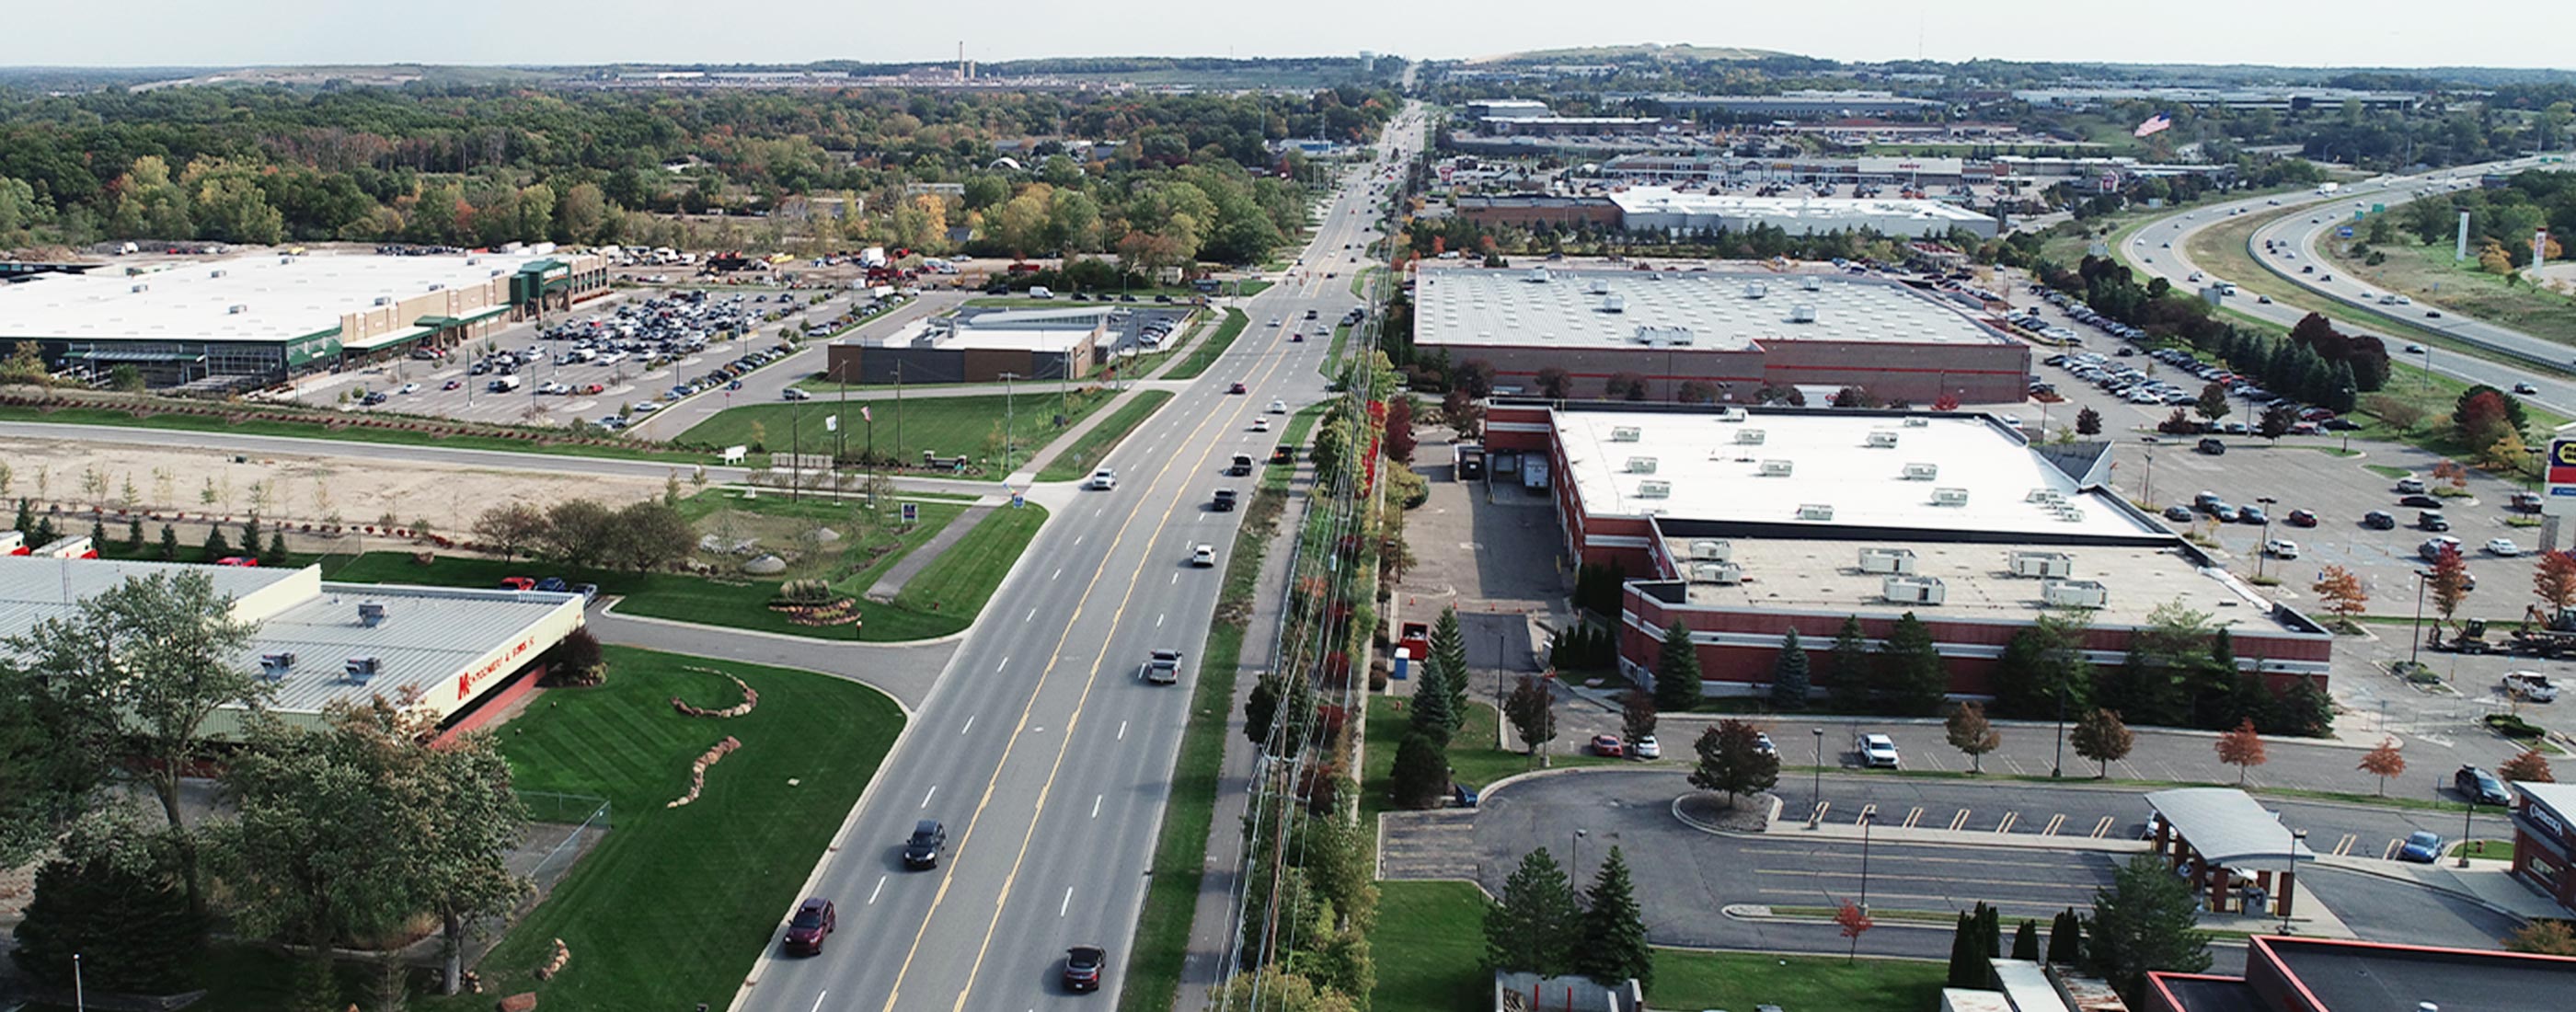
2501	220
1169	177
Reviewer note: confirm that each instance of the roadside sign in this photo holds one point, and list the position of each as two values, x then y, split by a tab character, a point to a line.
2562	477
2344	232
911	512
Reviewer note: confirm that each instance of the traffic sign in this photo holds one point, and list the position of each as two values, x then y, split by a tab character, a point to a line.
2344	233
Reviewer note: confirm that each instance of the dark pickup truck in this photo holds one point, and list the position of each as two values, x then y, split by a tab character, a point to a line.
1240	466
1224	502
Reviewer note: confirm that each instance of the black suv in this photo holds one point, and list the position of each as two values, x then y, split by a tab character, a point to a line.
2480	786
929	840
1082	965
2379	520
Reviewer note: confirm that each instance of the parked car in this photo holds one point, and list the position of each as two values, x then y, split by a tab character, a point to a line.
2281	548
553	585
1877	751
1082	964
1646	747
2503	547
244	561
2480	786
2379	520
518	583
2178	514
2530	685
2422	846
929	840
2410	486
1607	746
813	922
2300	518
2421	502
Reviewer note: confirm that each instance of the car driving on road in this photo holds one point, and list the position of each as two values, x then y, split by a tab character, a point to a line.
2480	786
813	922
929	840
1162	667
1082	965
1103	480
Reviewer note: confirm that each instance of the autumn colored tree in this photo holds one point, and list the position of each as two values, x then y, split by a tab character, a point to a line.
2241	748
2543	937
2481	418
2530	767
1946	402
2342	592
1971	733
2384	762
1398	443
1854	924
2101	737
2450	581
2554	580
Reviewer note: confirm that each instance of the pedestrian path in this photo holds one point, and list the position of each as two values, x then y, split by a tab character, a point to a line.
913	562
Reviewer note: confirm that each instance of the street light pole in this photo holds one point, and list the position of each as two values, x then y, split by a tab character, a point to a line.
1575	872
2265	550
1867	819
1010	422
2415	633
2292	864
2057	766
2466	814
1816	782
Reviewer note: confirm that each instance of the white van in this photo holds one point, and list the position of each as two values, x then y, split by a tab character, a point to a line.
1040	292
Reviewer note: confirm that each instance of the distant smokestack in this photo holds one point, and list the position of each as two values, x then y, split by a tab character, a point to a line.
961	59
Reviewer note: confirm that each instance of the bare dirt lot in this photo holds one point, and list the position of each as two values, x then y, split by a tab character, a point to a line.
75	475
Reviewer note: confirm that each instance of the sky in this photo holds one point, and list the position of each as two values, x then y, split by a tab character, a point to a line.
2390	33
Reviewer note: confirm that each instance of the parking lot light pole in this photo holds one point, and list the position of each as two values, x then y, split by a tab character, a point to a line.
2467	814
2415	633
1816	786
2296	835
2266	549
1867	819
2057	766
1574	872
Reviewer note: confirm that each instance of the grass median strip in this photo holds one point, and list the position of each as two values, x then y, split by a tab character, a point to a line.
971	426
1180	852
1088	451
1210	349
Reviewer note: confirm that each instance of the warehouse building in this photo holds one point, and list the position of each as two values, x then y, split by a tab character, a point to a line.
1723	335
458	653
252	320
1867	170
1742	525
1671	211
2297	974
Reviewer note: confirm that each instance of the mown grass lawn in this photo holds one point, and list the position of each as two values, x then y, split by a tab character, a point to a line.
1430	949
672	905
1086	452
1477	755
947	426
1207	352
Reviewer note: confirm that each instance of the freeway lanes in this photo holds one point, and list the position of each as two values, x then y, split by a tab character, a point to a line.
2159	250
1040	748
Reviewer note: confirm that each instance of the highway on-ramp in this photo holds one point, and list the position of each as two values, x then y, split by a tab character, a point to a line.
1046	755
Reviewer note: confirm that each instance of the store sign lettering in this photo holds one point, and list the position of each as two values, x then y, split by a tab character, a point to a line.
465	683
2545	819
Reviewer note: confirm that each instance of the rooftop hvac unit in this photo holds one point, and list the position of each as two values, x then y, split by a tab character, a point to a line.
140	289
1749	437
2042	564
1623	434
2045	496
286	259
1537	276
2071	515
1731	415
371	614
2074	594
1811	283
1724	574
1641	465
1802	314
438	287
1917	422
1887	560
1949	497
275	666
1712	550
384	300
1881	438
1654	489
1614	304
1756	290
360	669
217	272
1815	511
1600	286
1922	472
1777	468
1913	590
236	309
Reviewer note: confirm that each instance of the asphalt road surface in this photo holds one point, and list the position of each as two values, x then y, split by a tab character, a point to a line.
2160	250
1040	748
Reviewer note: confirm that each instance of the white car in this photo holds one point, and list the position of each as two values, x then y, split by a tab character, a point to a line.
1877	751
1203	555
409	388
2531	685
2281	548
793	394
1646	747
646	408
2503	546
1279	407
1261	423
1104	480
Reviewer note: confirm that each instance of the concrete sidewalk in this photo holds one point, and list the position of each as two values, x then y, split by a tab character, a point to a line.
920	558
2487	883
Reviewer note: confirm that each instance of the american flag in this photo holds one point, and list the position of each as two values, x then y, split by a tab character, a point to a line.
864	416
2155	124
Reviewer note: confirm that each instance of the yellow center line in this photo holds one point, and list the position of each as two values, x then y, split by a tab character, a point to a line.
947	878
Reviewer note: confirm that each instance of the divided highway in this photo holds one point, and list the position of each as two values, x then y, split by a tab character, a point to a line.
2159	250
1042	750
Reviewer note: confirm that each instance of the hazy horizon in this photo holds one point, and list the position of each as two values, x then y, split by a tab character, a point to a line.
165	33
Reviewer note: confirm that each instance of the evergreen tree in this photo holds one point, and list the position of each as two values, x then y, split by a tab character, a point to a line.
1677	672
1614	929
44	532
250	535
2026	941
132	930
2144	920
1789	675
169	544
26	518
134	536
1916	679
2214	683
1852	664
1967	957
98	534
1431	715
2306	712
216	545
2066	938
1421	769
1449	663
275	554
1534	926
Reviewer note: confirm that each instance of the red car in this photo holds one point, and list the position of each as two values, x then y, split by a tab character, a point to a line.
518	583
1235	389
237	560
813	922
452	385
2300	518
1607	746
1296	338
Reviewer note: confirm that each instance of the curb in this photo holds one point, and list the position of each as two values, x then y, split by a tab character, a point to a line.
610	609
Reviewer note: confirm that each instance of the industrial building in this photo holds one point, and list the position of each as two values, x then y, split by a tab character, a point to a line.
1668	210
1799	105
1802	171
2295	974
1726	334
1742	525
979	345
455	652
2298	99
250	320
1532	209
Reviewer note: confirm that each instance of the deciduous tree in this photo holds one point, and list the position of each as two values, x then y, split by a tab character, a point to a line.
1731	760
2450	582
648	535
2543	937
1854	924
2241	748
2384	762
2342	592
2554	580
2528	767
510	528
2102	738
2212	404
1970	732
1532	712
1636	716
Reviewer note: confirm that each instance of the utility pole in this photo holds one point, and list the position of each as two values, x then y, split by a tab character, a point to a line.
1010	422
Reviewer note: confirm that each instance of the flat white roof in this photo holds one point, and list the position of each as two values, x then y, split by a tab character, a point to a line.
1053	340
280	297
1825	576
1711	472
1566	308
1787	211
